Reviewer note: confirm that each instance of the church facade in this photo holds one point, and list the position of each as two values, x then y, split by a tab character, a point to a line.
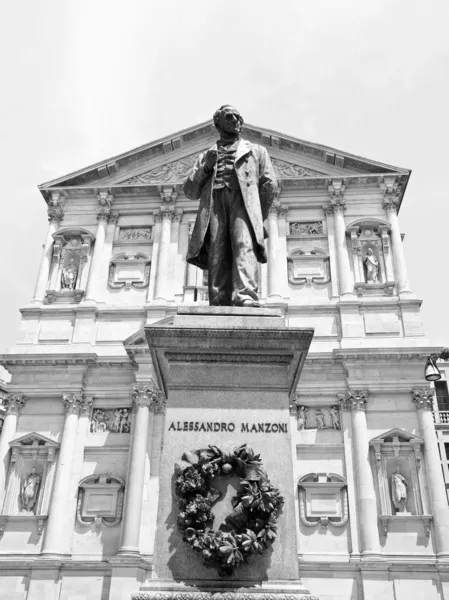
84	412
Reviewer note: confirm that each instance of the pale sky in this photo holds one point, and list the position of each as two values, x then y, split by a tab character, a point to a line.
84	80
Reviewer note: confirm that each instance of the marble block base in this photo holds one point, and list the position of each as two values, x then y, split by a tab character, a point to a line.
223	590
228	374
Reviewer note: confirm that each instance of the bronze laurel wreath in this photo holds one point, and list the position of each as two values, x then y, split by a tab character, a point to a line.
252	525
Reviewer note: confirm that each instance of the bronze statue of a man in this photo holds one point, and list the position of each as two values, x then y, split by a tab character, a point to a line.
235	183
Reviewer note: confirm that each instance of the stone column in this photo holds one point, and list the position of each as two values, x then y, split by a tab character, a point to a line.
355	401
176	268
191	273
96	266
391	205
277	254
57	531
161	287
144	397
337	206
423	399
55	216
156	234
13	404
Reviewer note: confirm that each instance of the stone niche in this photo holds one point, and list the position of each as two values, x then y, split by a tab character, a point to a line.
373	269
100	500
29	481
308	266
400	482
128	271
69	271
323	500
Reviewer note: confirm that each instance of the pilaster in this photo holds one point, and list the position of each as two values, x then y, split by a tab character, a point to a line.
147	399
13	403
391	193
337	207
356	402
277	252
55	216
423	400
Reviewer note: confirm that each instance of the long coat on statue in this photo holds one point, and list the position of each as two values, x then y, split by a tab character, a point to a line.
257	185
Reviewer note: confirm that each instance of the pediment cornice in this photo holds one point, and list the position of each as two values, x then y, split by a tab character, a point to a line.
169	159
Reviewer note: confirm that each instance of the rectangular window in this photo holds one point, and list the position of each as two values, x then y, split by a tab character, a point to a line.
442	395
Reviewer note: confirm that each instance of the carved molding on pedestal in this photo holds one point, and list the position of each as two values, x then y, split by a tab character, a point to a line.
323	499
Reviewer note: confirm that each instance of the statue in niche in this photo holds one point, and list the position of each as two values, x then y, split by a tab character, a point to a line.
399	490
371	267
236	184
69	275
29	491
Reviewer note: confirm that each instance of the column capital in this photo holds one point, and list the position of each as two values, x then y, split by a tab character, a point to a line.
13	403
353	399
55	214
280	210
423	398
165	213
103	213
85	406
145	393
177	215
113	216
72	402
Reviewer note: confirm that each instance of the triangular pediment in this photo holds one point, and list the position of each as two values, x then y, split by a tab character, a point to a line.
400	434
170	159
35	439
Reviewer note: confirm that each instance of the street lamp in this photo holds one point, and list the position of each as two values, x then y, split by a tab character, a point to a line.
431	371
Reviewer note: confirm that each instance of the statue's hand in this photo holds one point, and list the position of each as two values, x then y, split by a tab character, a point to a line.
210	158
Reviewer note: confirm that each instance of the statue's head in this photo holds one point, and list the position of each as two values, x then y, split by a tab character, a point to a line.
369	252
228	121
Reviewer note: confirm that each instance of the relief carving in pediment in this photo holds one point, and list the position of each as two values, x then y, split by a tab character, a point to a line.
175	172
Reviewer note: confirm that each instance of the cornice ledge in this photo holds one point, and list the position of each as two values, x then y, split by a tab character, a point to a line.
361	354
49	358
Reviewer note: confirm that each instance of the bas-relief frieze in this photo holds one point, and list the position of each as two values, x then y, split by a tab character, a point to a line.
176	171
135	234
115	420
299	228
324	417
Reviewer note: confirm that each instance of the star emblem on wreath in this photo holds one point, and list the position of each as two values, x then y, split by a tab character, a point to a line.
252	525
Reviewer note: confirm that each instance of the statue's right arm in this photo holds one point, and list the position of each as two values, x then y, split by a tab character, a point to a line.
193	185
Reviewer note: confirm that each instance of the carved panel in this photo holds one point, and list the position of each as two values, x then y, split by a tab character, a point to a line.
323	417
173	172
100	500
300	228
311	266
286	169
129	270
323	499
135	235
116	420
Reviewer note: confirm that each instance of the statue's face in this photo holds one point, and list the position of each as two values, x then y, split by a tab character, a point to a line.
230	121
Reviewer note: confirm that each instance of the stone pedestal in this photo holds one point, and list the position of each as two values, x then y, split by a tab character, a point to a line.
228	374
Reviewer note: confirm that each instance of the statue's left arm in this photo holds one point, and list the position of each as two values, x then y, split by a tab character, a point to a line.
267	182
